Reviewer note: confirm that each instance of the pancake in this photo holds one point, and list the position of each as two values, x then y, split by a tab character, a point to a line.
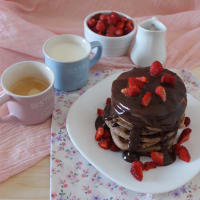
137	129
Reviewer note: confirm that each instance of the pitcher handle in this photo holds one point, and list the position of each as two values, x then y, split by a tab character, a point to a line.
97	56
3	99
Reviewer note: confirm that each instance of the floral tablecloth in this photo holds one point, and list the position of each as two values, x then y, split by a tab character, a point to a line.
73	178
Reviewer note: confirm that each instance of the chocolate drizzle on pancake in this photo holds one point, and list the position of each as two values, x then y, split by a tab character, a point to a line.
141	130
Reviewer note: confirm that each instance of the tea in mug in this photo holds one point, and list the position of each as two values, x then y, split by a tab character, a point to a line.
29	86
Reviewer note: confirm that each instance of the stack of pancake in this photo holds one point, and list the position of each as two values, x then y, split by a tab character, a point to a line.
138	129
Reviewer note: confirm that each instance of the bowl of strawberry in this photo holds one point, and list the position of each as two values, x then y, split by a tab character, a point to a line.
114	30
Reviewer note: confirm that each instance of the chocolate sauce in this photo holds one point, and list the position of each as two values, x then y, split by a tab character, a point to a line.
130	157
162	115
134	141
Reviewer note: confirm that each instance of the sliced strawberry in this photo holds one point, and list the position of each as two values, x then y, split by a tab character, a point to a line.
146	98
157	157
149	165
100	112
169	79
108	101
187	121
105	144
136	170
134	91
132	82
156	68
107	134
160	91
99	133
185	136
184	154
143	79
114	148
176	148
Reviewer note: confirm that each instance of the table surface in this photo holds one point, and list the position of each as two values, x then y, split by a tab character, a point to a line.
33	184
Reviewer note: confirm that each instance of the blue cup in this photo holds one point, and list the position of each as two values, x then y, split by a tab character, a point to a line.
69	56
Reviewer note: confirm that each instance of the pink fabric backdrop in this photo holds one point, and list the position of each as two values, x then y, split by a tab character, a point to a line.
25	25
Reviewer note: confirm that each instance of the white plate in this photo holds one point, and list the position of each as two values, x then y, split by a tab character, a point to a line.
81	129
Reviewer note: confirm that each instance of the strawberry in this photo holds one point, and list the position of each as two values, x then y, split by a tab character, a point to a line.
100	112
132	82
149	165
136	170
157	157
108	101
184	154
124	19
187	121
169	79
176	148
142	79
107	134
111	30
156	68
114	148
114	15
134	91
160	91
99	133
91	22
119	32
103	17
146	98
185	136
100	26
112	20
129	26
105	144
120	25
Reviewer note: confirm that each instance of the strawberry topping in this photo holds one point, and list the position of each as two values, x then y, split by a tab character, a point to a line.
132	82
143	79
187	121
100	112
108	101
183	154
168	79
137	170
105	144
185	136
146	98
160	91
149	165
114	148
157	157
99	133
156	68
134	91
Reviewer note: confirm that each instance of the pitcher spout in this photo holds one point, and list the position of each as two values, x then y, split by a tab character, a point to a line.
153	25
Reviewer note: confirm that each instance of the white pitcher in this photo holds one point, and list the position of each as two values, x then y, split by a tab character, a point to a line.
150	43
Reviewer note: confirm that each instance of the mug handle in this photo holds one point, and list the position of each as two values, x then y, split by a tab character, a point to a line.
98	54
3	99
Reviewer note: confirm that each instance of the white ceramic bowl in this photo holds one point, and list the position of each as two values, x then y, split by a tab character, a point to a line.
112	46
